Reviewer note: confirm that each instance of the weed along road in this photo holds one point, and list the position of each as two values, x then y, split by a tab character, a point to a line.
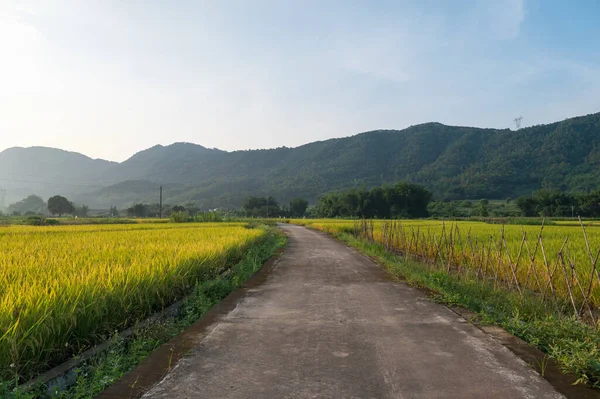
328	323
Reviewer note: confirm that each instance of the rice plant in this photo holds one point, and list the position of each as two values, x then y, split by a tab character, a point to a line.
64	288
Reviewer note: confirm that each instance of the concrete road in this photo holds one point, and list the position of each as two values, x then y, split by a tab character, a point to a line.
328	323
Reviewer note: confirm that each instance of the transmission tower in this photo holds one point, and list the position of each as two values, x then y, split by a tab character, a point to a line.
518	121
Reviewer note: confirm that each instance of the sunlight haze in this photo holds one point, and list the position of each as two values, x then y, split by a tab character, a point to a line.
111	78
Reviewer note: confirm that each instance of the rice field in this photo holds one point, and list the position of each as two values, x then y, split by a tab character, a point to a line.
64	288
556	262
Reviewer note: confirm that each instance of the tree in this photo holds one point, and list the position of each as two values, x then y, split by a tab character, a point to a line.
556	203
252	204
377	204
589	204
328	206
401	200
178	208
527	205
32	205
482	208
82	211
546	203
138	210
298	207
262	207
113	212
408	200
59	205
153	210
192	209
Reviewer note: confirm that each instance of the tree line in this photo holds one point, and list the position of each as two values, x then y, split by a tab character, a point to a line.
56	205
61	206
555	203
402	200
268	207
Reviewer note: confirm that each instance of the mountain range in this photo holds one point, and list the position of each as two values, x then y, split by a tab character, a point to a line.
453	162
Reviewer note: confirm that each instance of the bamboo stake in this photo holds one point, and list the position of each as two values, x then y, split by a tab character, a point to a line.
562	262
513	267
499	261
592	259
585	299
532	267
550	275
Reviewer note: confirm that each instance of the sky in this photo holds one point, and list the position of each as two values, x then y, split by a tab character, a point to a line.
108	78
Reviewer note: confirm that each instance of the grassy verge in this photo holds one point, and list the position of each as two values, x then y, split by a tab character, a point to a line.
573	345
97	374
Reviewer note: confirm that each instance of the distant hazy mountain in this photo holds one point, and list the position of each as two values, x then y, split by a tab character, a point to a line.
175	163
23	169
454	162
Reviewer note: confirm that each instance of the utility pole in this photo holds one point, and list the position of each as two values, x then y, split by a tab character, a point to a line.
572	211
160	205
267	207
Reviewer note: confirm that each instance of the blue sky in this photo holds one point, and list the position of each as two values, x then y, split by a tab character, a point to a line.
109	78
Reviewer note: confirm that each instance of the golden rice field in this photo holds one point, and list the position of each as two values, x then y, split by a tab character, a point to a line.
559	266
64	287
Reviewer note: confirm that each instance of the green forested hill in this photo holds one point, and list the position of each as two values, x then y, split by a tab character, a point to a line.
453	162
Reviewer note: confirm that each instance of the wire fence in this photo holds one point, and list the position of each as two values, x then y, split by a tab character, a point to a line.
570	278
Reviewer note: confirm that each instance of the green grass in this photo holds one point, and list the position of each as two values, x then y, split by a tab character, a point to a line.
574	346
101	371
